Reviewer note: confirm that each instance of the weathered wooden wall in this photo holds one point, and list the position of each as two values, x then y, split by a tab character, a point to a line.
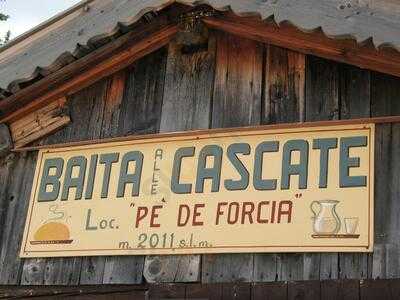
339	289
229	82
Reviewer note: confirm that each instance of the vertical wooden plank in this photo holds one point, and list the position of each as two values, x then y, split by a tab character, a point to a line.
322	103
19	187
188	88
174	268
33	271
123	270
353	265
385	95
113	100
236	102
141	105
394	288
186	105
269	291
265	267
355	92
284	86
140	109
284	102
322	89
54	273
204	291
84	270
227	268
375	290
305	290
166	291
86	109
383	203
355	102
386	260
92	269
330	289
292	266
232	291
6	142
340	289
6	166
238	82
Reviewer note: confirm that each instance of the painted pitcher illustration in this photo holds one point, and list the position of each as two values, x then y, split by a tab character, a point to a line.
326	220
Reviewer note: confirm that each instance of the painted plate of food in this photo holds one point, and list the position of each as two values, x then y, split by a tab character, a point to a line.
52	233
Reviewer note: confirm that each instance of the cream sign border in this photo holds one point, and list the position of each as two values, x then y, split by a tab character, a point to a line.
206	134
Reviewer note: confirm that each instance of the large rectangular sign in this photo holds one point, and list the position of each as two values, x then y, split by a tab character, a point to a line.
244	190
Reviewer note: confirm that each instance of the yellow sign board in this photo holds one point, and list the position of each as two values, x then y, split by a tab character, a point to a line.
244	190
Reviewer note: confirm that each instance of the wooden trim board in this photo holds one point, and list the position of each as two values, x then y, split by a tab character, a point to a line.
376	120
39	123
315	43
92	68
146	39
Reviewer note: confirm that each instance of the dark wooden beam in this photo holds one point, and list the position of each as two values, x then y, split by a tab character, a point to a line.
314	43
312	289
101	63
24	292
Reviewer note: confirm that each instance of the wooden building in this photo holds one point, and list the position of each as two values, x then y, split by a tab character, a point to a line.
115	68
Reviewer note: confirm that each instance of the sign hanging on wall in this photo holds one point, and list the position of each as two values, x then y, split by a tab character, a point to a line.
242	190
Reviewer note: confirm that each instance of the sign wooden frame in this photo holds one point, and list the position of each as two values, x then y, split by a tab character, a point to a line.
295	206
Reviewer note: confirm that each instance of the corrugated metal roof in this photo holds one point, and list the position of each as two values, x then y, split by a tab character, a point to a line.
75	32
